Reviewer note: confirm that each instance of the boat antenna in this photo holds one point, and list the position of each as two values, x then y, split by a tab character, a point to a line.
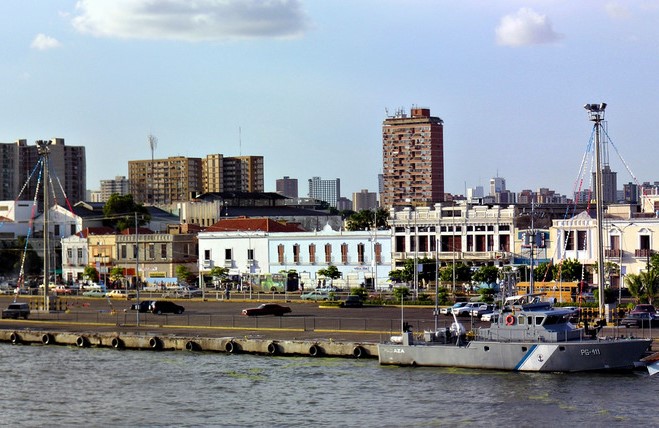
596	115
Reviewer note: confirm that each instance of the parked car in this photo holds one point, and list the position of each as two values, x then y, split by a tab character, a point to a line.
165	307
267	309
449	310
466	309
62	290
120	294
143	306
317	295
640	319
94	293
482	310
16	310
490	317
352	301
644	308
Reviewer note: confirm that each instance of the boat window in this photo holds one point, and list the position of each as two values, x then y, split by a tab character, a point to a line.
561	348
486	348
555	319
538	320
520	320
524	349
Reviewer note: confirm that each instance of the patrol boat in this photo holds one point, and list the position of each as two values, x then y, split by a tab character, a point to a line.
540	340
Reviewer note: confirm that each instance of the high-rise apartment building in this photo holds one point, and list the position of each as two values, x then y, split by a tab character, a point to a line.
163	181
325	190
413	159
287	187
364	200
243	174
178	179
67	167
119	185
212	173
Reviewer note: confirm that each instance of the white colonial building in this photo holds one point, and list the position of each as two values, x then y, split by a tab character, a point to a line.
359	256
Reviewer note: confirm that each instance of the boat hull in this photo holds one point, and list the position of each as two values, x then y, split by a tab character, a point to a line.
575	356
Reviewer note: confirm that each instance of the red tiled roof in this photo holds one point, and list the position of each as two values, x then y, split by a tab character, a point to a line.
100	230
260	224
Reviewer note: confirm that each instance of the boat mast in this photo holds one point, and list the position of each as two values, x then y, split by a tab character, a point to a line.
596	114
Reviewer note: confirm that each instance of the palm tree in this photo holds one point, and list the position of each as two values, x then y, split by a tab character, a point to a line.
644	286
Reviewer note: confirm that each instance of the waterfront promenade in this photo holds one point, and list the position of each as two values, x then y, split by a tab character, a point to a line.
216	318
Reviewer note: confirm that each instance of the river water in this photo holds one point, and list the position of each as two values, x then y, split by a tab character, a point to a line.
68	386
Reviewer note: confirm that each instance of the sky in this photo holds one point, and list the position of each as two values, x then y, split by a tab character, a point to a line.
307	83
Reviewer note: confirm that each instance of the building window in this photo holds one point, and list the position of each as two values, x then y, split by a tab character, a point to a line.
152	251
296	253
378	253
207	254
568	238
328	253
344	253
73	229
69	254
250	254
582	241
360	253
312	253
280	253
163	251
228	254
135	251
124	253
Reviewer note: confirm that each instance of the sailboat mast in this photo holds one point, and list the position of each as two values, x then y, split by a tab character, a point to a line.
596	114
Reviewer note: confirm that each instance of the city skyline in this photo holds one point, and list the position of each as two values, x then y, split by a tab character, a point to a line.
307	84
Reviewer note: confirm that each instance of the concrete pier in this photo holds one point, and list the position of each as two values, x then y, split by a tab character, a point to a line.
164	342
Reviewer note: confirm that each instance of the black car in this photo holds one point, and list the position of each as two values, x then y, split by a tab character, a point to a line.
641	319
143	306
352	301
165	307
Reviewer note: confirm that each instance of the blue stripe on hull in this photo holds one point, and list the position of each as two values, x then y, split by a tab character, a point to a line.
525	357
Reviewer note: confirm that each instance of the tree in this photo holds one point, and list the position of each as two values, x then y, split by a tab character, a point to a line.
119	212
544	272
486	274
117	274
90	273
570	270
183	274
643	286
401	293
367	219
462	272
331	272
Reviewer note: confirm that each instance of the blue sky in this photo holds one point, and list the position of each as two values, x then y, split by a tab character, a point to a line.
308	83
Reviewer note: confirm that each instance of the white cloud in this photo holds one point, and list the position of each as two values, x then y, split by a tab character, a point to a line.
190	20
617	11
42	42
526	27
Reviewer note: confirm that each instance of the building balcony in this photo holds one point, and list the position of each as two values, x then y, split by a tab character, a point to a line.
613	253
643	253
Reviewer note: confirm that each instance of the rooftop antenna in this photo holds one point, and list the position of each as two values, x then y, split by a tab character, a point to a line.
153	143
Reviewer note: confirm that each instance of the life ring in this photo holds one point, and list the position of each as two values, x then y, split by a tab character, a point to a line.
510	320
273	349
358	352
15	338
155	343
314	350
117	343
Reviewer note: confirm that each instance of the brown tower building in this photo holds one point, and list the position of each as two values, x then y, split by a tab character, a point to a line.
413	159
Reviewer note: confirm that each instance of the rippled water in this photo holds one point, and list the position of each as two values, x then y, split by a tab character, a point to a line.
66	386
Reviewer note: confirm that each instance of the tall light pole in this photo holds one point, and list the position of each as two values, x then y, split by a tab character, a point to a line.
596	115
44	151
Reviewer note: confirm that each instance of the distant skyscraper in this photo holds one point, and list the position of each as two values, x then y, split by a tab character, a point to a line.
67	167
325	190
497	185
174	179
243	174
609	185
413	159
474	194
287	186
109	187
364	200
